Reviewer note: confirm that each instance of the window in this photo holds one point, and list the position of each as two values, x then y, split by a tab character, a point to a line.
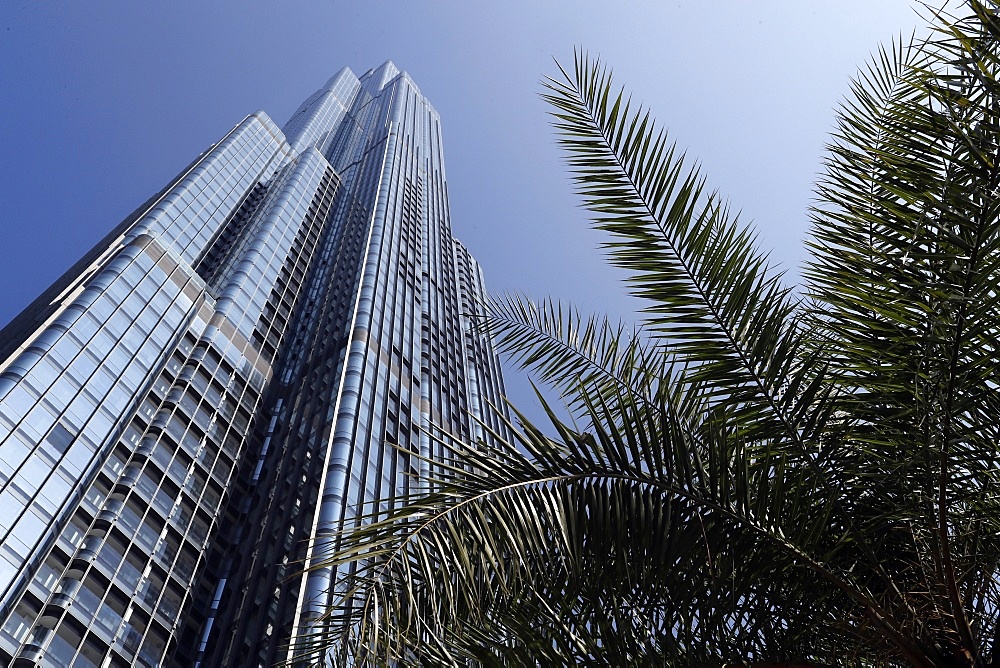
60	438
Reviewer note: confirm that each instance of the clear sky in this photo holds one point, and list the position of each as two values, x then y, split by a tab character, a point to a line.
101	103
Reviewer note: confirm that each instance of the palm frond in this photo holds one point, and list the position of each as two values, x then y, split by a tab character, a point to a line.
906	251
712	296
749	478
568	351
591	540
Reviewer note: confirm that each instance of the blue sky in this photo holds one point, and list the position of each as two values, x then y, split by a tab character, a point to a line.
102	103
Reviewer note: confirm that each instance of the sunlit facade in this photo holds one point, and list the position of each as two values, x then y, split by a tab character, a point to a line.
217	386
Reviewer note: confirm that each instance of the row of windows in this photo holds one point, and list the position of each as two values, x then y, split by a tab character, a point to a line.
389	313
77	389
190	215
310	424
147	514
246	293
157	509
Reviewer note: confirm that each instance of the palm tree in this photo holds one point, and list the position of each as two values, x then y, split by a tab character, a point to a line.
755	476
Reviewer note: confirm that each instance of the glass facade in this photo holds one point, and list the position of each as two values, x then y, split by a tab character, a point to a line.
192	410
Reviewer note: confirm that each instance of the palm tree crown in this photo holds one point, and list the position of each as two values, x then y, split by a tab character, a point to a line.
754	476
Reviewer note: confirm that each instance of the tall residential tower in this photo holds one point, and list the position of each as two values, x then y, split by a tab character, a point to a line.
217	386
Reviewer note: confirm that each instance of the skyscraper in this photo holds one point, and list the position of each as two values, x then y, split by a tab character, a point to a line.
217	386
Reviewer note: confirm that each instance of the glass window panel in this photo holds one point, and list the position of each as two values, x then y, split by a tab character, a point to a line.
73	533
76	460
28	529
60	438
99	426
56	489
31	475
101	383
18	402
133	377
59	653
43	374
146	537
12	453
19	622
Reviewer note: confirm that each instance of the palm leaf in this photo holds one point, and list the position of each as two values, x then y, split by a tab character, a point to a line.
711	294
757	479
569	352
907	244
